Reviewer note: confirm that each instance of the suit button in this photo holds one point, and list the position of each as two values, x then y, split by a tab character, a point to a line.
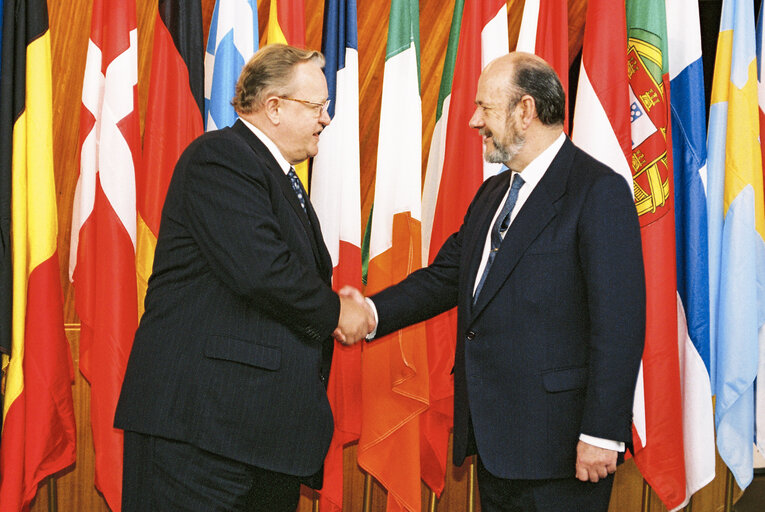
470	335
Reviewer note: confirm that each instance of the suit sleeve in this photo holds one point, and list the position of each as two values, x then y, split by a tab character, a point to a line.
429	291
232	219
610	249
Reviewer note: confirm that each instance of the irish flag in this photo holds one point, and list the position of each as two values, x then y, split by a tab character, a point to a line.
394	376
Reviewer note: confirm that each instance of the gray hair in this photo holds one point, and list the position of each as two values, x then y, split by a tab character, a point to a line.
269	72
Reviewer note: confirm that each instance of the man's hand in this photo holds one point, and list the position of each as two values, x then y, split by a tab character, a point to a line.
593	463
356	318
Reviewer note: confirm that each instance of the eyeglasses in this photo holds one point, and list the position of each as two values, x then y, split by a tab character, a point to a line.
320	107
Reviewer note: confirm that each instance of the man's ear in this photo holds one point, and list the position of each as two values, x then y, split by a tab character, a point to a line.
271	109
527	108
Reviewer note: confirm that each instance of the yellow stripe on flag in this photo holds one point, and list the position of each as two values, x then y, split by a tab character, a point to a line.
33	204
146	243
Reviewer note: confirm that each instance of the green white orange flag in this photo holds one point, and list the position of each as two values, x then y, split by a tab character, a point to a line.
455	171
173	119
286	25
394	372
38	430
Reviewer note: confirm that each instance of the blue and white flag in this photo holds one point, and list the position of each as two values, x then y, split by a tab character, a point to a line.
232	40
690	171
736	237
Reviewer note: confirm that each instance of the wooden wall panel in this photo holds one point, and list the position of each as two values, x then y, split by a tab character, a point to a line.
70	28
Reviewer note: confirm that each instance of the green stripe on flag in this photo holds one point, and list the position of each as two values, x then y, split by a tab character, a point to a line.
403	29
447	77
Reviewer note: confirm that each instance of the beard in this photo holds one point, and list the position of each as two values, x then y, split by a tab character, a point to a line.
504	151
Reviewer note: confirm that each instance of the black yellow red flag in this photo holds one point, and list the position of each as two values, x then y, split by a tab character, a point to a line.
38	431
173	118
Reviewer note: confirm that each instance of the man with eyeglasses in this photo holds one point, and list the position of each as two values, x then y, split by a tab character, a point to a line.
224	401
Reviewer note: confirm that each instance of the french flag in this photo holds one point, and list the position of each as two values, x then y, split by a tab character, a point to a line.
335	194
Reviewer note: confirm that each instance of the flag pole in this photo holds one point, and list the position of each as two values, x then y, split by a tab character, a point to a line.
471	485
52	495
367	503
728	490
432	502
646	496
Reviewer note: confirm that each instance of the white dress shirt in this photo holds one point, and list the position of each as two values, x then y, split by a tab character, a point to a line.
268	143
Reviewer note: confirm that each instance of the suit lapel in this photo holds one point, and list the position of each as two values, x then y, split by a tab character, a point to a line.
475	238
534	216
320	253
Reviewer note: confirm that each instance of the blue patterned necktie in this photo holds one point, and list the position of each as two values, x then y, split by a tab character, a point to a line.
297	187
498	230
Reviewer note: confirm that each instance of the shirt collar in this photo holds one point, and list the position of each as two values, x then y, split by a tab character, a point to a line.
533	172
267	142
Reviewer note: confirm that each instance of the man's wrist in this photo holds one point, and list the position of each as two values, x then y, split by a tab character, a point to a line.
372	306
606	444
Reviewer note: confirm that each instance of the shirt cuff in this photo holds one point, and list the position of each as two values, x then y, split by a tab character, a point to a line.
371	335
606	444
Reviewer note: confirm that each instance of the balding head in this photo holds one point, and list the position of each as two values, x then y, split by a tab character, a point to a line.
525	73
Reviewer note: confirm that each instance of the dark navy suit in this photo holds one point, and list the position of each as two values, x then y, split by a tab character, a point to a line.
552	347
233	352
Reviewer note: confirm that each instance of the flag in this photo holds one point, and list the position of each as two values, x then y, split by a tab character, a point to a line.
601	114
394	376
286	25
454	172
544	32
336	174
232	40
638	147
736	231
102	256
659	451
759	414
38	430
689	160
173	119
6	271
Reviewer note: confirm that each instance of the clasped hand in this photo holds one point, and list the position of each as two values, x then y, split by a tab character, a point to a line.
356	317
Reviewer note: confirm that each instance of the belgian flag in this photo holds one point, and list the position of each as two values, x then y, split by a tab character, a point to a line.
38	432
173	118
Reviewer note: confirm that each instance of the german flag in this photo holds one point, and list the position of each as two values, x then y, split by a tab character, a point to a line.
173	118
38	433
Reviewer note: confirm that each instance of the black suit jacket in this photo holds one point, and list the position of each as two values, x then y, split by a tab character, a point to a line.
233	351
552	347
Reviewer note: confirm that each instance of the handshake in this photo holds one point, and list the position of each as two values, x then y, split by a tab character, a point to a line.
356	317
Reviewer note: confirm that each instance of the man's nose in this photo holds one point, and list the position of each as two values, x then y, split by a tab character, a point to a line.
477	120
324	118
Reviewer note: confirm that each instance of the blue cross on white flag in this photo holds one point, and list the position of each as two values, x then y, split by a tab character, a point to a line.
232	40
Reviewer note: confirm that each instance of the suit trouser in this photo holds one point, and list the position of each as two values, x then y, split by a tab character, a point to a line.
167	476
554	495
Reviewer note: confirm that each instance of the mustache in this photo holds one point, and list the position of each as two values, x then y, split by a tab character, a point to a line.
484	132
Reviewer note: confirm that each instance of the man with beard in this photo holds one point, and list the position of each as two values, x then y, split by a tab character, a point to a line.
547	274
224	401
